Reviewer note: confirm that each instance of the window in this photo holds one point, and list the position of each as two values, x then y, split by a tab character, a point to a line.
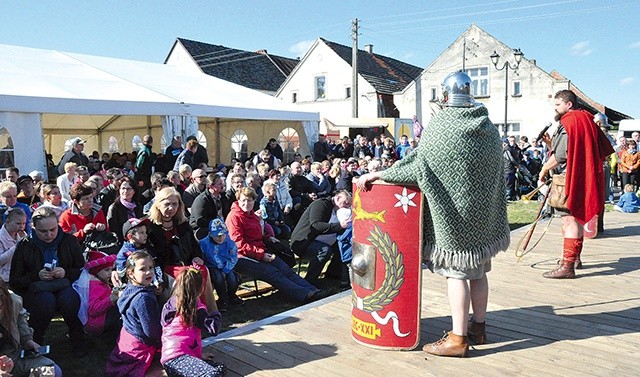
516	89
320	87
480	81
202	140
290	143
136	143
7	158
239	145
347	92
163	143
513	129
294	97
113	144
434	94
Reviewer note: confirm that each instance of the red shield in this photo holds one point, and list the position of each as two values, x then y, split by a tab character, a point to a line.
386	266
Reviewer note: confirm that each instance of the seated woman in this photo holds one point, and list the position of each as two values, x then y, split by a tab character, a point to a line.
42	270
175	246
19	336
52	198
84	215
254	259
11	233
125	207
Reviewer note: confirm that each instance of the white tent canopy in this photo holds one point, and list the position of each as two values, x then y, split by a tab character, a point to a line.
82	92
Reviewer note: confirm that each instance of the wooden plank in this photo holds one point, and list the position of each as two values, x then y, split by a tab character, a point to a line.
587	326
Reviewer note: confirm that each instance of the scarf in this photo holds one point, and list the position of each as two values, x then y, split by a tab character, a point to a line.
130	206
587	147
465	215
49	249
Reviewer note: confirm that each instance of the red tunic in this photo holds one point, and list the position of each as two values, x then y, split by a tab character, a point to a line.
587	147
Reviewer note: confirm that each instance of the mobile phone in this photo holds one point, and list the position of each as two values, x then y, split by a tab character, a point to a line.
29	353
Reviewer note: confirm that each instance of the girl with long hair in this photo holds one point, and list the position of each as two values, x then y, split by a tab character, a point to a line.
184	316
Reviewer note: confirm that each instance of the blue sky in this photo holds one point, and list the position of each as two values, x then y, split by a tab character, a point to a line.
595	43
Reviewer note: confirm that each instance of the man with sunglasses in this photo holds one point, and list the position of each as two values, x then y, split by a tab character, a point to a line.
196	187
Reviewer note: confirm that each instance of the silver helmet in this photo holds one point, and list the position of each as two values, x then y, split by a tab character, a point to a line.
456	89
600	117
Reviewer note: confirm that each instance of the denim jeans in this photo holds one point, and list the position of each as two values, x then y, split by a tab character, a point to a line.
279	275
225	285
43	306
318	253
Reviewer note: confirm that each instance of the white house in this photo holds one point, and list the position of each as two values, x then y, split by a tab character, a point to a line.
530	89
322	82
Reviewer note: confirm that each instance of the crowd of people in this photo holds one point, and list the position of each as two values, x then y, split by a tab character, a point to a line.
524	158
110	240
155	247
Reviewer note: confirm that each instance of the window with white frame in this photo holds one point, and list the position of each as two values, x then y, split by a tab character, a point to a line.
7	158
347	92
136	143
480	81
289	140
294	97
434	94
113	144
516	92
320	87
239	145
202	139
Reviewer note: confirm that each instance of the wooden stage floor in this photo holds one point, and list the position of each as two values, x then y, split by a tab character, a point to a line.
588	326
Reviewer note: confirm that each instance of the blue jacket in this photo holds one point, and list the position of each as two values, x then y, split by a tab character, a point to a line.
629	202
222	256
140	313
271	211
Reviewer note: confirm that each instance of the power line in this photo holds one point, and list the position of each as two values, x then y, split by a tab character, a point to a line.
500	20
470	14
440	10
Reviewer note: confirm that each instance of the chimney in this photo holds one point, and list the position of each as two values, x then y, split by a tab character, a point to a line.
533	61
262	52
368	48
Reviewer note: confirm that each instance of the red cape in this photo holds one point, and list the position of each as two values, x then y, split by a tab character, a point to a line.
587	147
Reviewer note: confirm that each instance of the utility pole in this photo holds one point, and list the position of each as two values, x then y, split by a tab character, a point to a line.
354	65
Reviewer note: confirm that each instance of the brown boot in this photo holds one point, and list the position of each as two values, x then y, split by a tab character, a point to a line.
476	332
450	345
577	265
564	271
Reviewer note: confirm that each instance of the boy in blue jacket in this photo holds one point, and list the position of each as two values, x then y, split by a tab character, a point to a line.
220	255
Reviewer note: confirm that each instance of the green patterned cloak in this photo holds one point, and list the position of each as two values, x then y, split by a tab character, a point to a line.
459	169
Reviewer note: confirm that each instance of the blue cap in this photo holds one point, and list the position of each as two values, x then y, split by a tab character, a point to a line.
217	227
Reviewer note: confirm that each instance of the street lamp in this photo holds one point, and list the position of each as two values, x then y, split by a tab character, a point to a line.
506	66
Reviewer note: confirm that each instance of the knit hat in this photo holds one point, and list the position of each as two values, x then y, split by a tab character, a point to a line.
217	227
98	261
133	223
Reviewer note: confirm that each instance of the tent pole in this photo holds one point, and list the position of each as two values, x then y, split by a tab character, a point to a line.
216	140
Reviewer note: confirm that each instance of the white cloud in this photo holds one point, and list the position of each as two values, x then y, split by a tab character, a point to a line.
581	49
301	48
627	81
635	45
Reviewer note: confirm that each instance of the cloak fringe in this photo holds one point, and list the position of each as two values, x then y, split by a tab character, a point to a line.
465	259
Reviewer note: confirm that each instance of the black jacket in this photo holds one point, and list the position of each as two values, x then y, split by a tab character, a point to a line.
117	215
28	260
203	210
314	222
180	251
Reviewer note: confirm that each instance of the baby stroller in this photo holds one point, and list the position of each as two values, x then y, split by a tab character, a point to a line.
104	241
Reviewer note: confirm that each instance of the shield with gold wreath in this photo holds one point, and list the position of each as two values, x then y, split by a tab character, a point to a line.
386	266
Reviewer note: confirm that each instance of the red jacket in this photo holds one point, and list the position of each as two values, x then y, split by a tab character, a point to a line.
71	221
246	230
